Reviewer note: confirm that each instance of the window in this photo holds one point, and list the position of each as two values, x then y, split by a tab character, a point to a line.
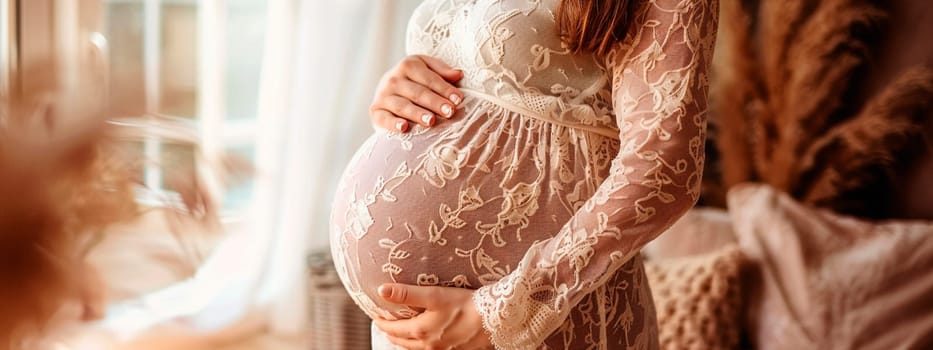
185	71
7	45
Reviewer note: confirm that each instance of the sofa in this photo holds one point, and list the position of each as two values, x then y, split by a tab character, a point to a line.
772	273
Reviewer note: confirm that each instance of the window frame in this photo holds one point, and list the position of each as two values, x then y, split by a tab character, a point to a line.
70	29
9	45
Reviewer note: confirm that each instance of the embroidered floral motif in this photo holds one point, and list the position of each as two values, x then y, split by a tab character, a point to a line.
540	192
441	164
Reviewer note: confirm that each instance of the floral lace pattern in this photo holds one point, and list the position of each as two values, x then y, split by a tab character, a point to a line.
541	191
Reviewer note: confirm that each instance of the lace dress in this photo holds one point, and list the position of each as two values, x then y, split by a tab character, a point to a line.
541	191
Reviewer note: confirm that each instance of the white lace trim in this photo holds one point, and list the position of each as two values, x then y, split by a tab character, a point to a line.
604	131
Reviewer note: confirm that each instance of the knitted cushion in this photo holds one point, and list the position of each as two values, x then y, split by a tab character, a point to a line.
698	299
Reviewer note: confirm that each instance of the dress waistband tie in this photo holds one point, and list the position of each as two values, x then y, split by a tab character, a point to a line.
539	116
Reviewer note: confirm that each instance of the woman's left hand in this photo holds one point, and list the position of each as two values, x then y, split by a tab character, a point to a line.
449	321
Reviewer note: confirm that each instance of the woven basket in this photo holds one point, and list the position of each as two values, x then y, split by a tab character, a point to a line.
336	322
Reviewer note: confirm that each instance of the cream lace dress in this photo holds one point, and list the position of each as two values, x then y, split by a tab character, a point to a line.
541	191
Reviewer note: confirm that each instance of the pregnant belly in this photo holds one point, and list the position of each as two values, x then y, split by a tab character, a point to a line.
451	206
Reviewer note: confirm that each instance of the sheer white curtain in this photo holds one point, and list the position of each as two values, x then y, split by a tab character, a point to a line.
322	60
362	42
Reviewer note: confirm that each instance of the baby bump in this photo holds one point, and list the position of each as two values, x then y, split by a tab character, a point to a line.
422	210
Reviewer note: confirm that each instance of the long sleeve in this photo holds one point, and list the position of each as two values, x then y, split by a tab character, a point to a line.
659	85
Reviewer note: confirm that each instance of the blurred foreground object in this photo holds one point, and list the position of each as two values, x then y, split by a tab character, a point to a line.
63	180
54	188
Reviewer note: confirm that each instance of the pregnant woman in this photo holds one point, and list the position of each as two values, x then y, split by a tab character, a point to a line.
515	220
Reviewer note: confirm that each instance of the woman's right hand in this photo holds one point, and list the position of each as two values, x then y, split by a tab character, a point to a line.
418	90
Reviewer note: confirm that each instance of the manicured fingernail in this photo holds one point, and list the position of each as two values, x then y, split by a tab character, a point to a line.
384	291
447	110
400	125
455	99
427	119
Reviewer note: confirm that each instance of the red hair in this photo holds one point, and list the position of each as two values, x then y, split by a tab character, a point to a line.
593	25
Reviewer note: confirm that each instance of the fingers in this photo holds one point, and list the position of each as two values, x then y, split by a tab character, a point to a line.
418	90
413	333
389	121
419	72
450	74
424	97
409	328
418	296
403	108
450	319
409	344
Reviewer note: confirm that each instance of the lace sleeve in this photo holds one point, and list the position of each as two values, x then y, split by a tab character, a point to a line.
660	79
